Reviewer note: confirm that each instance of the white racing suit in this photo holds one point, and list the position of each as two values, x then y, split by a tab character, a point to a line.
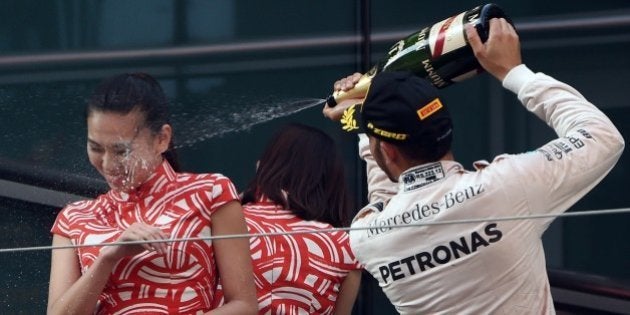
490	267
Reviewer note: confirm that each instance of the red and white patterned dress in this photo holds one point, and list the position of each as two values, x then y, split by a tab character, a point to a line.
299	273
181	281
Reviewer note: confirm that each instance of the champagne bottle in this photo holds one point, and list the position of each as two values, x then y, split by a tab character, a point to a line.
440	52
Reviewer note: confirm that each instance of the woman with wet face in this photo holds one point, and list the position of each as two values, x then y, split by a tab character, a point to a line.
129	144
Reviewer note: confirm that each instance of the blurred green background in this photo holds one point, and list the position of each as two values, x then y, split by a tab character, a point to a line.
234	69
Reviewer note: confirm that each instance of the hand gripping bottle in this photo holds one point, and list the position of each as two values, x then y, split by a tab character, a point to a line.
440	52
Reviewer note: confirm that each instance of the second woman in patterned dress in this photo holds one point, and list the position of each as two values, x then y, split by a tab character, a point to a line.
300	187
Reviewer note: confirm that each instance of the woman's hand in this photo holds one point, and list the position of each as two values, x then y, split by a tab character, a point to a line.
136	232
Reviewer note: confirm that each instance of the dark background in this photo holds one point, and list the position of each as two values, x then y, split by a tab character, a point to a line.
233	69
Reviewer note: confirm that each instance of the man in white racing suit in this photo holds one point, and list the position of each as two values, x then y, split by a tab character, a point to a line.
489	266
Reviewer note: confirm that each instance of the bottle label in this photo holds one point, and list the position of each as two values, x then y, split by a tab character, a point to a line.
447	36
440	52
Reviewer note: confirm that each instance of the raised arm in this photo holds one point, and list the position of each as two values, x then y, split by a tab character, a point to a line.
558	174
380	188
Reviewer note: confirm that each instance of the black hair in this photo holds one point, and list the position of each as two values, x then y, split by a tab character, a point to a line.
126	92
302	170
425	153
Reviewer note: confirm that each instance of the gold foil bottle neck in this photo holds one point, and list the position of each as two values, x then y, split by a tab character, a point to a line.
358	91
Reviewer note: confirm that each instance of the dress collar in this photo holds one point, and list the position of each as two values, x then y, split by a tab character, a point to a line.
158	181
264	200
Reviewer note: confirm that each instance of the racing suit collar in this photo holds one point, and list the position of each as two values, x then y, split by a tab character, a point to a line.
425	174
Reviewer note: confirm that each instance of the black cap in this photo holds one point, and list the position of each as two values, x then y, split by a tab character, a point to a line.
400	108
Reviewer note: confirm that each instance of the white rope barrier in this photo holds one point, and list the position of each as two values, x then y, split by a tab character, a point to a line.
345	229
